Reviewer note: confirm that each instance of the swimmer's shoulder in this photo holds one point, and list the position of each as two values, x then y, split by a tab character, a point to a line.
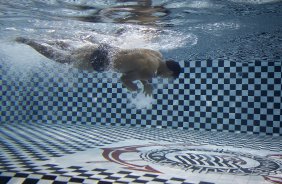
139	52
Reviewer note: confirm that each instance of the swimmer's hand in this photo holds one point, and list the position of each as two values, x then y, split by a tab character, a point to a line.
148	89
132	87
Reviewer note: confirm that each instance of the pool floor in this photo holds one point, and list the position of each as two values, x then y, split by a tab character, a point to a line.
70	153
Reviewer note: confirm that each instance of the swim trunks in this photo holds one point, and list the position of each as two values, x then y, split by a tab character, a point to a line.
101	58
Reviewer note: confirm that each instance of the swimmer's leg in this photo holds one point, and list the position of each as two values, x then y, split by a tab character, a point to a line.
45	50
60	44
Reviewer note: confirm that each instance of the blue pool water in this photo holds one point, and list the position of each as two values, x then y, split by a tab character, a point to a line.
239	29
220	122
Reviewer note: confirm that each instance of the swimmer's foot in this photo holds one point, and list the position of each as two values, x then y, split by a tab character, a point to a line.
22	40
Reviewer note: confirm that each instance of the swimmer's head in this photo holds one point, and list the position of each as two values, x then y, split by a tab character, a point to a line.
174	67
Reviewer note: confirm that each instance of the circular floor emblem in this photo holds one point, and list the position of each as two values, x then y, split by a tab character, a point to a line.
203	160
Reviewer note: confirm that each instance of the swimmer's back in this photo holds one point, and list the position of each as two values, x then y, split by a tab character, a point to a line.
137	59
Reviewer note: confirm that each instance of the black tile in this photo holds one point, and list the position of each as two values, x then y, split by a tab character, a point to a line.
30	181
4	179
49	177
21	175
77	180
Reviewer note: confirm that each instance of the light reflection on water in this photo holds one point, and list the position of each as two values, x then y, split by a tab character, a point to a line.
134	12
177	28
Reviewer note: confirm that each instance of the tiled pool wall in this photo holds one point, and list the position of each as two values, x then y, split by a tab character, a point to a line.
211	94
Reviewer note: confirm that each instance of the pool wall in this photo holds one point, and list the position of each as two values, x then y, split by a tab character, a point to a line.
212	95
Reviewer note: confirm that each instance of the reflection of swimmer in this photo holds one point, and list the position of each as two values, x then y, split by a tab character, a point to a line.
141	13
134	64
130	11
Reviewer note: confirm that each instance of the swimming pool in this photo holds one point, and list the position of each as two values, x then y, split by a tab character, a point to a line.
220	122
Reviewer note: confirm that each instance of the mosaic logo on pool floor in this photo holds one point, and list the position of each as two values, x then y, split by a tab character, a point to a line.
203	160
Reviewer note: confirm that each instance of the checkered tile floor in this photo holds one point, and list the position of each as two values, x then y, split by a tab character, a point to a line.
67	153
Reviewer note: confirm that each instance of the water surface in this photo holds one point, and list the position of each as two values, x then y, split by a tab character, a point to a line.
183	30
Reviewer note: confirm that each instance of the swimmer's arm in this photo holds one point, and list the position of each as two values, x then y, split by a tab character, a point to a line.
148	88
127	81
146	75
128	78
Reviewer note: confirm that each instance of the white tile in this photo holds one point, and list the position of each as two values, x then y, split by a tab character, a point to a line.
45	182
16	181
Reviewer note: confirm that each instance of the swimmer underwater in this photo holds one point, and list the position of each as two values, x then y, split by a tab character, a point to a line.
133	64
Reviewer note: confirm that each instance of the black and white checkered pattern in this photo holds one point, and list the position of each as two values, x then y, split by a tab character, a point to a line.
214	94
23	145
233	96
122	177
